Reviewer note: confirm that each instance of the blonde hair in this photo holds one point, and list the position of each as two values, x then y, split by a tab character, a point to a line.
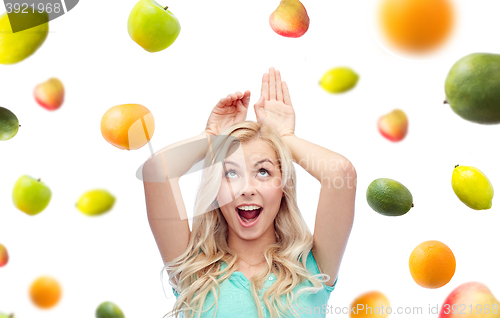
196	271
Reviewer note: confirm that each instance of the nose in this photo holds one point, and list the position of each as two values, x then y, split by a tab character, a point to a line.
249	188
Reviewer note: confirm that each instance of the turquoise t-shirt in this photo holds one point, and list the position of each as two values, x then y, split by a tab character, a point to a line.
235	296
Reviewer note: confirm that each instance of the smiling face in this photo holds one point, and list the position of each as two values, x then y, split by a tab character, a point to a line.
252	176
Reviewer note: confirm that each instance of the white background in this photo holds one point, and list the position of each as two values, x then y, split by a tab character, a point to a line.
224	47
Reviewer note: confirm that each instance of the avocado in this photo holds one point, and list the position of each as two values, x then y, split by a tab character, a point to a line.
389	197
472	88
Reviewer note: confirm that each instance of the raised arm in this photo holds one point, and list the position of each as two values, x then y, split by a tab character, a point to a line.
335	214
161	172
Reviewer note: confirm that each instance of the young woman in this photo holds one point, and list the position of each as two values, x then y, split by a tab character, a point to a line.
250	252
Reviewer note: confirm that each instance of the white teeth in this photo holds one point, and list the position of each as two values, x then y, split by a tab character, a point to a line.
249	207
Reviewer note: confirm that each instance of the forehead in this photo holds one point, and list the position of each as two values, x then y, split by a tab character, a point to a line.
253	150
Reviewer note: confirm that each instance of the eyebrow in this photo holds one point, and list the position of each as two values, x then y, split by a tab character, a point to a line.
231	163
261	161
258	162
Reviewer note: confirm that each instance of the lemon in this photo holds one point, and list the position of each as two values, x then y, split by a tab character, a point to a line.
339	80
95	202
472	187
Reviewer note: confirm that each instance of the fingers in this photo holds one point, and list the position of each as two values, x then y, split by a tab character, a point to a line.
279	92
286	94
246	98
272	84
241	111
229	99
259	108
264	91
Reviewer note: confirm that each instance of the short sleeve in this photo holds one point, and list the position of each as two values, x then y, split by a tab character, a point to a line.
313	267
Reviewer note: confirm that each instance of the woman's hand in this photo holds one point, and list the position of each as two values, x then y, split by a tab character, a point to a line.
274	106
229	110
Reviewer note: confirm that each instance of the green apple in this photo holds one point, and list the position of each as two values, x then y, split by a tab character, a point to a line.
151	26
30	195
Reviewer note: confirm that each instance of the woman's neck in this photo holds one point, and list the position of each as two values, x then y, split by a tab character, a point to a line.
251	252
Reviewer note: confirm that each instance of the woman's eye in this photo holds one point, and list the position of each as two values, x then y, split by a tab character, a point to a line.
264	170
230	172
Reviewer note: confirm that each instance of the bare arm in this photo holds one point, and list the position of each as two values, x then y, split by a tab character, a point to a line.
165	207
335	213
161	172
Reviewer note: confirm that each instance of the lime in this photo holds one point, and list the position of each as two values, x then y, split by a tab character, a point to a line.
95	202
472	187
339	80
389	197
108	309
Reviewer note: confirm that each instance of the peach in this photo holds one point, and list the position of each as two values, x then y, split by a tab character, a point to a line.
470	300
50	94
394	125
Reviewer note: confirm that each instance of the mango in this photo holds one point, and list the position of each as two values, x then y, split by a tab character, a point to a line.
9	124
472	88
17	46
109	309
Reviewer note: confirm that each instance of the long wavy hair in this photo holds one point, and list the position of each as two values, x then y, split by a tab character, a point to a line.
195	273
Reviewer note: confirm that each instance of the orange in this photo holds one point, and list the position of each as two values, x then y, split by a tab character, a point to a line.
417	25
45	292
128	126
432	264
371	304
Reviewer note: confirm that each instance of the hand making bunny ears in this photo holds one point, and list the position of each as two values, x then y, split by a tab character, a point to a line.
275	106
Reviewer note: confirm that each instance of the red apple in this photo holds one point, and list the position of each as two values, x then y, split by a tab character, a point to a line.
4	256
393	125
470	300
290	19
50	94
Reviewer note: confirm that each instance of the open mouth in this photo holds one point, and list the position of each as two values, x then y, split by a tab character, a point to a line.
248	216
